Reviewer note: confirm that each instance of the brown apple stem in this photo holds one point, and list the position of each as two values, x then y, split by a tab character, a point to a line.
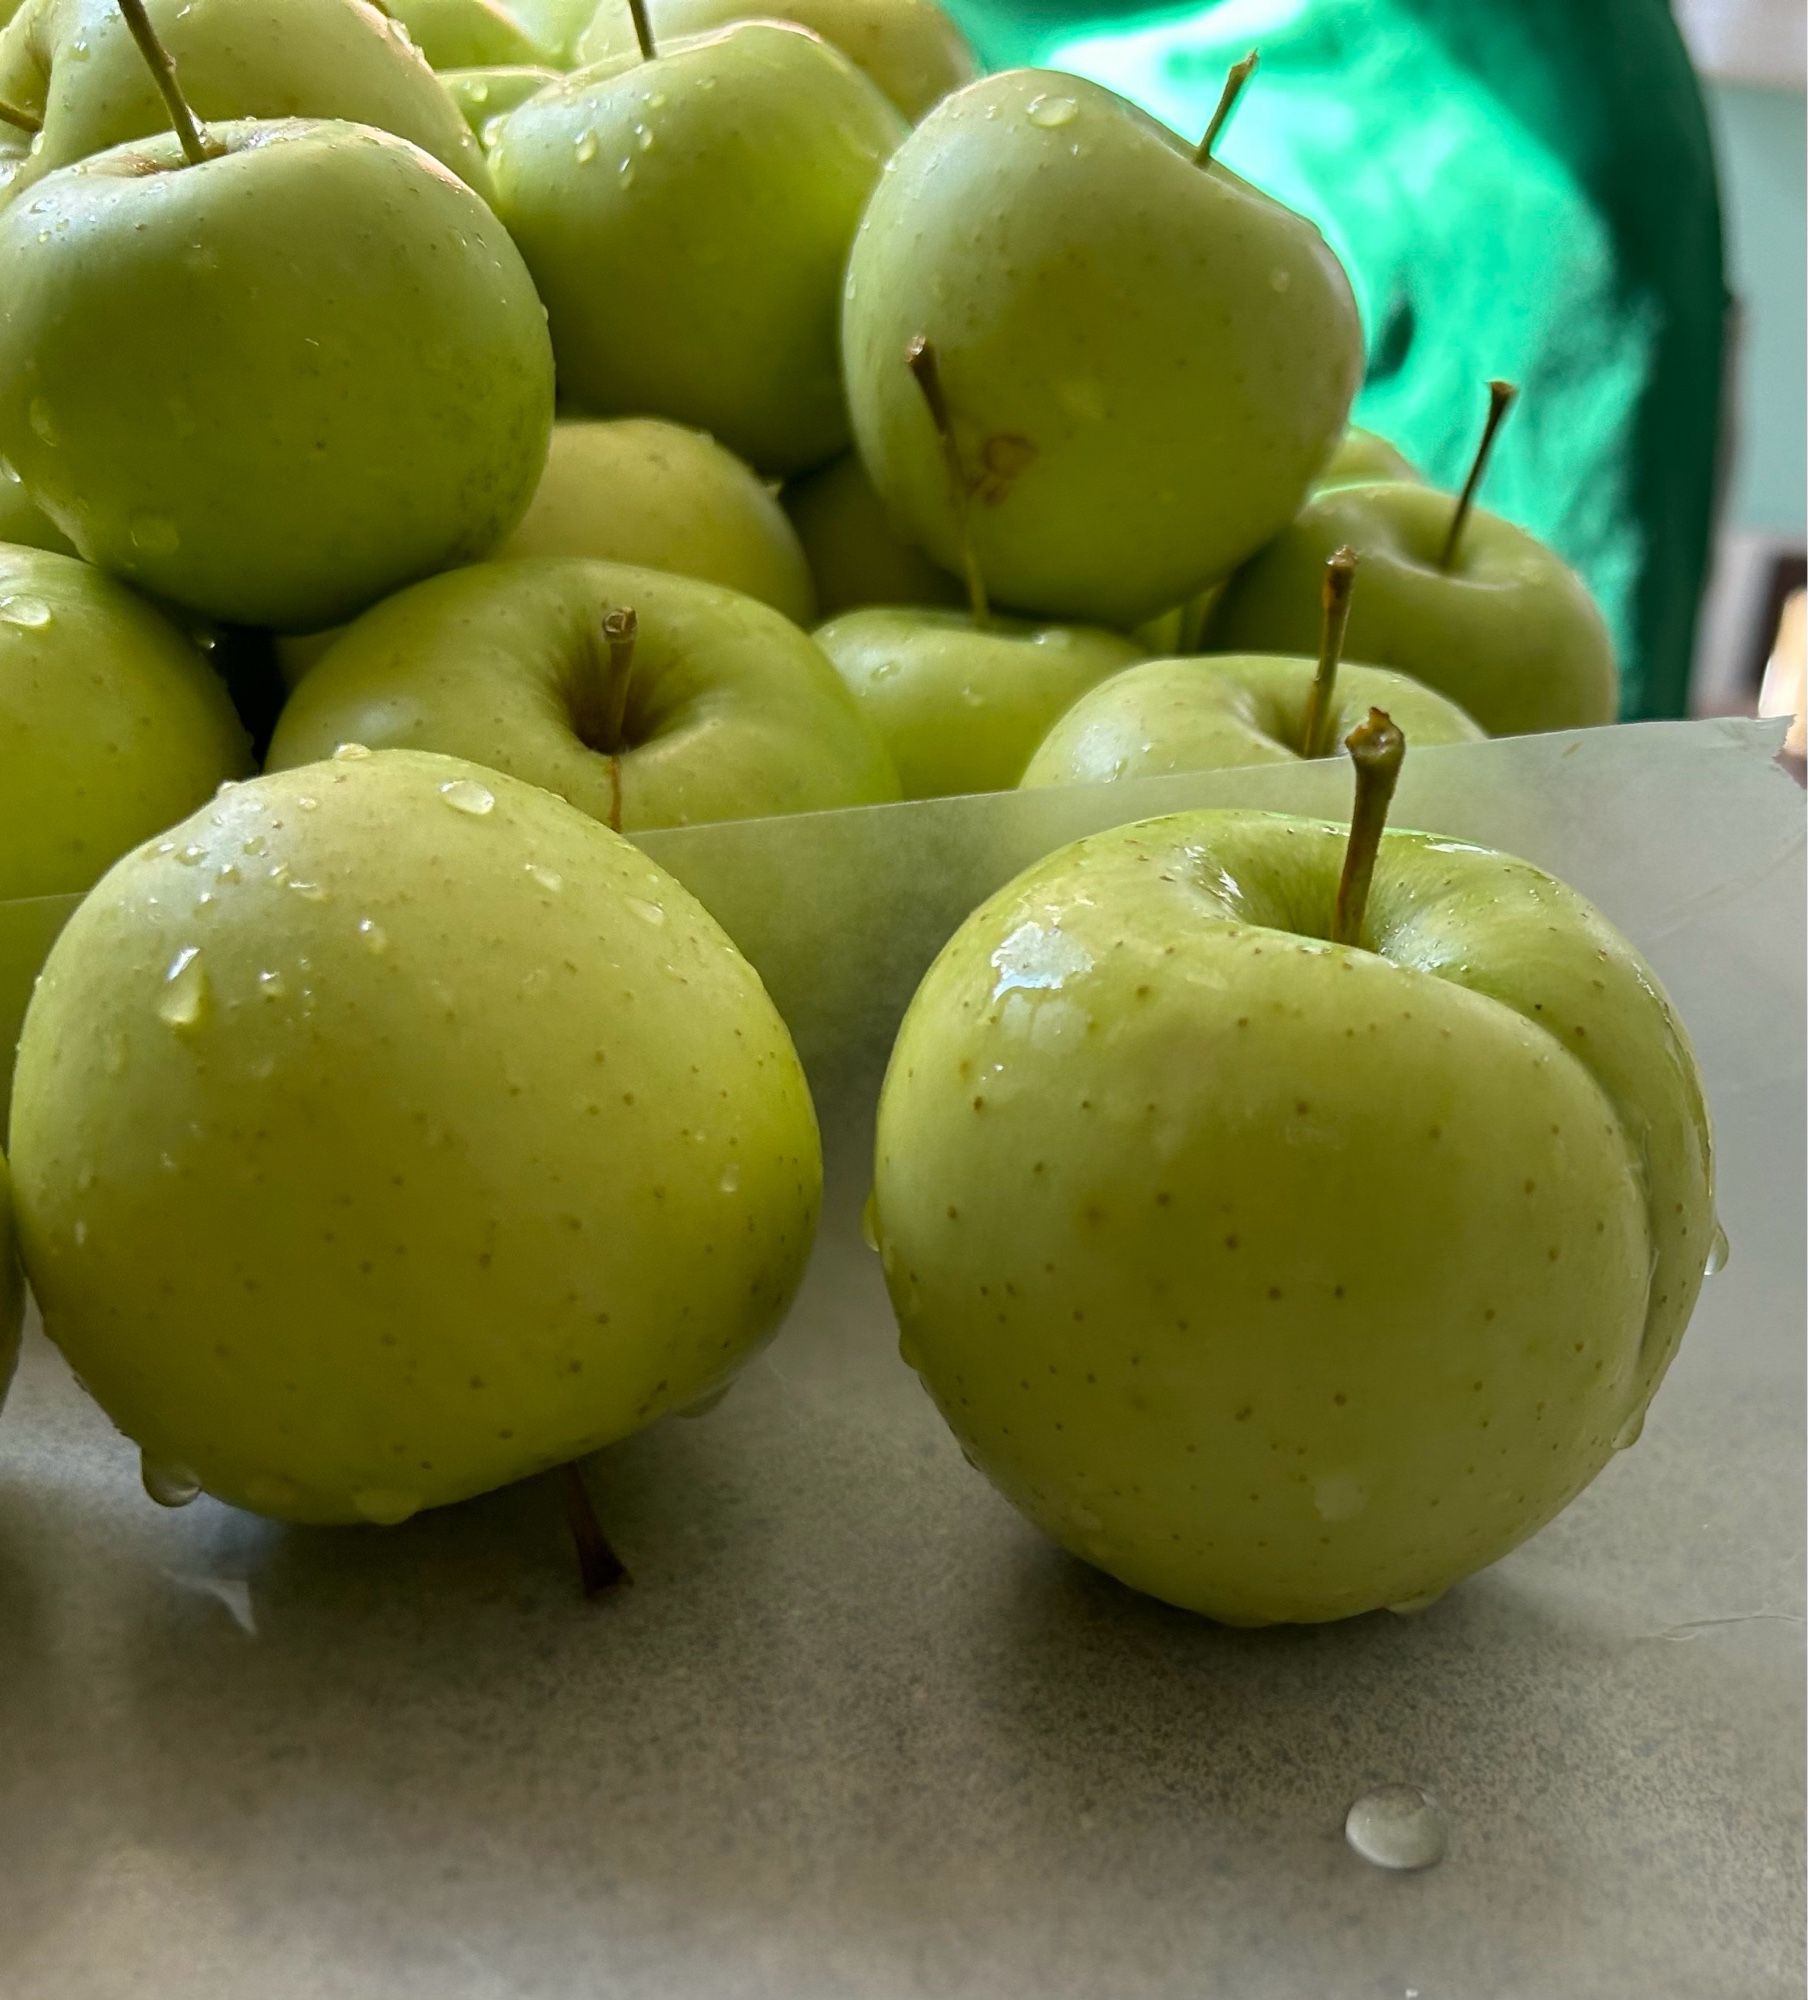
926	371
1236	77
1377	749
1321	709
620	630
196	148
1500	401
599	1567
643	29
18	117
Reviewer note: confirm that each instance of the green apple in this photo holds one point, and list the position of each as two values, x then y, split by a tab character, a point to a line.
961	705
1363	458
12	1286
1285	1278
466	34
1210	711
1147	362
555	24
273	386
112	726
637	490
855	553
910	48
75	64
709	706
393	1131
487	96
687	221
1508	630
23	522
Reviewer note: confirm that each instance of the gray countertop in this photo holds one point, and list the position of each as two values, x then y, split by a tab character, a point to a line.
853	1730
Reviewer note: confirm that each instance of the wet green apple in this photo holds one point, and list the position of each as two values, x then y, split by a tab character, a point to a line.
555	24
1282	1278
276	385
467	34
112	727
1210	711
487	96
393	1131
855	552
961	705
715	708
23	522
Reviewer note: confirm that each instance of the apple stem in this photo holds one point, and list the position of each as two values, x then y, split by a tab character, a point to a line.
620	630
1377	749
1500	401
18	117
643	29
195	147
926	371
1236	77
1340	580
599	1567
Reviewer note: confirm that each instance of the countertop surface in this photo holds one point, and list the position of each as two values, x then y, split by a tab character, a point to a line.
853	1732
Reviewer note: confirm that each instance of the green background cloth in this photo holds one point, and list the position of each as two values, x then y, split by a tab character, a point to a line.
1521	188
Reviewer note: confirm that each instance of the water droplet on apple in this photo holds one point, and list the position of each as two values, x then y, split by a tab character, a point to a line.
270	1492
373	934
1052	112
349	753
154	534
42	422
1085	1520
643	138
549	879
912	1357
1339	1499
1719	1252
648	913
886	670
1410	1607
31	612
492	131
308	805
114	1062
272	985
168	1485
466	795
1629	1432
184	997
869	1220
731	1178
1397	1826
190	854
1279	280
586	148
385	1506
309	892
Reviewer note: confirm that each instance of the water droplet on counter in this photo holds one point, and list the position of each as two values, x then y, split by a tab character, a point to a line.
42	422
466	795
31	612
385	1506
648	913
184	997
154	535
169	1485
1719	1252
869	1220
549	879
1397	1826
349	753
1051	112
373	934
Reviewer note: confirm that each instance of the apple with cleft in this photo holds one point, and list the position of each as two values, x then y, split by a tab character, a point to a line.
1291	1219
1147	361
1212	711
1363	458
391	1131
112	727
686	215
648	700
75	66
855	553
1458	598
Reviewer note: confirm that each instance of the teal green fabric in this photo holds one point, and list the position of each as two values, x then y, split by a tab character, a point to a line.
1521	188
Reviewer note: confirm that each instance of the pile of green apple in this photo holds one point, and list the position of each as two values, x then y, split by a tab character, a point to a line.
440	439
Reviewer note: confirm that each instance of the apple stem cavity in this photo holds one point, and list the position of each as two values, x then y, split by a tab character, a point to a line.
1235	78
926	371
643	29
1500	401
1340	580
599	1567
1377	749
196	148
19	118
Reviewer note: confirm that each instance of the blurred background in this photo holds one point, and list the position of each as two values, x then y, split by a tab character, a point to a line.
1602	200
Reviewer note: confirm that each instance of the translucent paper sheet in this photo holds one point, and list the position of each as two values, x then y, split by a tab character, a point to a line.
854	1732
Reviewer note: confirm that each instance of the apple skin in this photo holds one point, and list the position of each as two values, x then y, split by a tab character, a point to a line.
487	96
112	727
1510	633
1207	712
727	177
24	524
732	713
12	1285
642	491
961	709
555	24
1279	1279
1364	458
467	34
75	64
339	373
910	48
855	553
1147	362
469	1145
